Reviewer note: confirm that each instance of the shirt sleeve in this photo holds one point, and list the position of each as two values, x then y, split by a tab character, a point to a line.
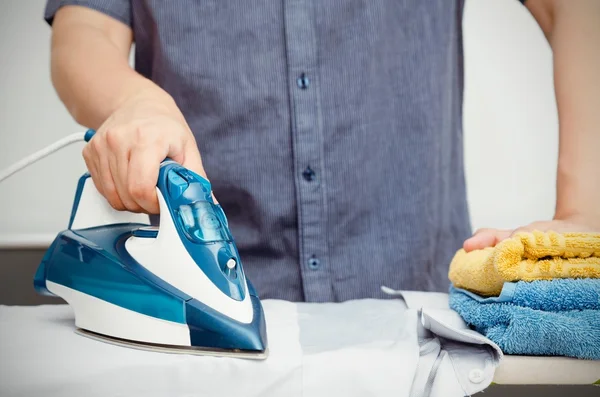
118	9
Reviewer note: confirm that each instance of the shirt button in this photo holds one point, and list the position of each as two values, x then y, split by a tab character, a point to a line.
303	81
314	263
308	174
476	376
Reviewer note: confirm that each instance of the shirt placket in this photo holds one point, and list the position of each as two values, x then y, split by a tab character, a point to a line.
304	86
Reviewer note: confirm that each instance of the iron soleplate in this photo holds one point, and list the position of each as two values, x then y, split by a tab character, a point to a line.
172	349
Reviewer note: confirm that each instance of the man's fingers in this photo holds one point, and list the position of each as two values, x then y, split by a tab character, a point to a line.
192	159
116	150
484	238
99	169
109	189
143	175
119	168
542	226
90	163
124	160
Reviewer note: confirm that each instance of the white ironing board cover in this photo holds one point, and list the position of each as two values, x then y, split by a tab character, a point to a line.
357	348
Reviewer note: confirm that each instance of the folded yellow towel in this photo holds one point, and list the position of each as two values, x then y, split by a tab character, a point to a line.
527	257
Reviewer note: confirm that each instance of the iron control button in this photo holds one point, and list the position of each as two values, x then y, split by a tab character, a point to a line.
314	263
177	184
303	82
308	174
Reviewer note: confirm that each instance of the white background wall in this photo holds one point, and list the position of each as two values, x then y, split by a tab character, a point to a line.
510	122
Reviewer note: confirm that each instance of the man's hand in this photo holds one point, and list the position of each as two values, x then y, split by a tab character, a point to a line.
124	155
484	238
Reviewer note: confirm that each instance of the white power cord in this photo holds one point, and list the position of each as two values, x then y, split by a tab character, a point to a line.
40	154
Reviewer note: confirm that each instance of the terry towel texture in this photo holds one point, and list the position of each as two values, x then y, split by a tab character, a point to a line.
559	317
527	257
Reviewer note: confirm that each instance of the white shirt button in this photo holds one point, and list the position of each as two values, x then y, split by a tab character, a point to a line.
476	376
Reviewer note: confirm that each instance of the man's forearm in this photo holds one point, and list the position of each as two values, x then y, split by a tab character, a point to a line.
573	31
90	68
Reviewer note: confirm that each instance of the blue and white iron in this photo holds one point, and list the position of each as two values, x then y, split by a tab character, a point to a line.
179	287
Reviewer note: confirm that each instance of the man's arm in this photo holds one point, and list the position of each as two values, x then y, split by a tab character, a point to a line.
90	64
138	124
572	28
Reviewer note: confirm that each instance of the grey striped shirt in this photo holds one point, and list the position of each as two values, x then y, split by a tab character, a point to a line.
331	131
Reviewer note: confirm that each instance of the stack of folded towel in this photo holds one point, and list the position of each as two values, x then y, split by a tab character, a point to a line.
534	294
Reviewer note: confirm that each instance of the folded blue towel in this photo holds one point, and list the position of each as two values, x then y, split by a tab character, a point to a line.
554	318
553	296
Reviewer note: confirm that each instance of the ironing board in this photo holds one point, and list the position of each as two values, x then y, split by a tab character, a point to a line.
42	355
